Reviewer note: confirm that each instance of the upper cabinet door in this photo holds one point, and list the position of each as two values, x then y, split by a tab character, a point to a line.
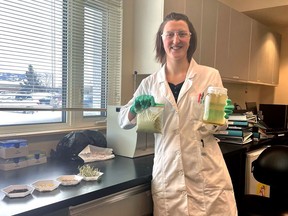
276	57
208	39
194	12
148	15
265	50
178	6
222	40
233	43
239	45
203	15
259	62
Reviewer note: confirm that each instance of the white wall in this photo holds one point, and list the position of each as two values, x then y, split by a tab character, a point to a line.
127	53
241	93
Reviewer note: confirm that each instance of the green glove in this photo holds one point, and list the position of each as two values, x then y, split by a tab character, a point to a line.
229	108
142	102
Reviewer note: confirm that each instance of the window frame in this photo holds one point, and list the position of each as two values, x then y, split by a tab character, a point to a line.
74	119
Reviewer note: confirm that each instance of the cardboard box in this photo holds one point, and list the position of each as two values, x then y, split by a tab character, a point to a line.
36	158
13	163
13	148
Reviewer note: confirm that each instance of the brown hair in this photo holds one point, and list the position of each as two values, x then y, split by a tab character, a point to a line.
159	47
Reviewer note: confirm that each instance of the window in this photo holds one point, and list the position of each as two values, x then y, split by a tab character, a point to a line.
61	56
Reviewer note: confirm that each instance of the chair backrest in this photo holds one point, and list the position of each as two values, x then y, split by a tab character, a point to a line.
271	167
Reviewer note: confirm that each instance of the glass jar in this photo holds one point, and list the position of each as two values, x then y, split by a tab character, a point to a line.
214	104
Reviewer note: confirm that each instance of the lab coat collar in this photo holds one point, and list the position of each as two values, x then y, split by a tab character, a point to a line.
161	76
164	87
191	73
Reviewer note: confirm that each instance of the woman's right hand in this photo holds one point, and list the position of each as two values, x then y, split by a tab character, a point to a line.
142	102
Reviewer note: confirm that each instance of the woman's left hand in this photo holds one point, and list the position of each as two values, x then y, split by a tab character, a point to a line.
229	108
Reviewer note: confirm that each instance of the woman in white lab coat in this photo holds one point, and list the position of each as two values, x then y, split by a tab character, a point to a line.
189	174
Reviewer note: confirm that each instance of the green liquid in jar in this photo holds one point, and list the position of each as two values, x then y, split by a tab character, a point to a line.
214	109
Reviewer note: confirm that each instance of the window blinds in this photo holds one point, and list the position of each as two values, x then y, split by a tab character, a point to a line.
60	54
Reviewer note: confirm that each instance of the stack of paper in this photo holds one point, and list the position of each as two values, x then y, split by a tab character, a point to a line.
94	153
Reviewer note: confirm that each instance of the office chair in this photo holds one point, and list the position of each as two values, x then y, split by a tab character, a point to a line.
270	168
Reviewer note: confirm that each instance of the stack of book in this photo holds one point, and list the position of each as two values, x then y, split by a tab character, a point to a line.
247	117
261	131
258	127
240	129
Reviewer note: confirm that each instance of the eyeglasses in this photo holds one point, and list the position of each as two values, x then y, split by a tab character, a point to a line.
180	34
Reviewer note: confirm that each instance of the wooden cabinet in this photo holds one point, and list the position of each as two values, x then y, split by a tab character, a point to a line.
194	12
148	16
207	41
203	16
173	6
265	50
259	70
232	44
242	49
131	202
239	45
246	50
275	73
222	40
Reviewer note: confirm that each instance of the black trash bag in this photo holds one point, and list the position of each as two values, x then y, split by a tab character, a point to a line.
73	143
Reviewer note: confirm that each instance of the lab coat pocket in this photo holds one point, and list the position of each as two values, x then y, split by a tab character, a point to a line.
196	107
215	171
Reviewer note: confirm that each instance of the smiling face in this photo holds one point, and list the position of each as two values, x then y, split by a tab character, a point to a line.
176	37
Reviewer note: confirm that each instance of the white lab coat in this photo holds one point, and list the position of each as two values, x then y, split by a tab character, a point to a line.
190	176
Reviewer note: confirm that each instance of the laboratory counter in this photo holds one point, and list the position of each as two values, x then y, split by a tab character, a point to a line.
120	173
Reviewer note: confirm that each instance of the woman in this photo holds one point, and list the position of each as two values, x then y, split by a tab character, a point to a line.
189	174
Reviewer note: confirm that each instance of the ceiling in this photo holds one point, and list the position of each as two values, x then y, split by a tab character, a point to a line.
275	17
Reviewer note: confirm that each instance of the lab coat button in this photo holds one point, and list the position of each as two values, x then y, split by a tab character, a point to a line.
181	172
184	193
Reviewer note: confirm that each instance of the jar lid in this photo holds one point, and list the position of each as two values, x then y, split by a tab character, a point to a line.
216	90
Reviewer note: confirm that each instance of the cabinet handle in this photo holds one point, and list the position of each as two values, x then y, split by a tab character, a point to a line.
235	77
